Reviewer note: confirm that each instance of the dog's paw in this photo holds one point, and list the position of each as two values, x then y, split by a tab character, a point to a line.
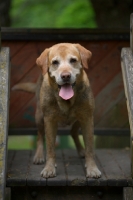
93	172
48	172
38	159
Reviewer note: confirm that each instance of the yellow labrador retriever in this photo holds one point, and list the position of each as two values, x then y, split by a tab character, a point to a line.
64	96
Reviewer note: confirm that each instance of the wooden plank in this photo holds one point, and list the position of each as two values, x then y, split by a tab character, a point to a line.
108	98
19	169
66	131
127	193
74	169
10	156
22	97
62	35
15	47
34	178
112	171
19	100
124	163
114	165
4	101
23	61
8	194
61	177
25	115
131	32
117	116
100	50
105	70
127	72
17	110
42	45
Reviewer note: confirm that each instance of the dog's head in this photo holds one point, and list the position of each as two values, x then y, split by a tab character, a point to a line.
64	62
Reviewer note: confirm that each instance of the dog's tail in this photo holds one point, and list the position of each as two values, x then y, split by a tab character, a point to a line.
28	87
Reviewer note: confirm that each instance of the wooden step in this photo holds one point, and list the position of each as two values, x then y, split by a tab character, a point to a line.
114	165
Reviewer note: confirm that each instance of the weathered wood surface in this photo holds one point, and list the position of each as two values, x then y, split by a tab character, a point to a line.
104	70
18	170
33	175
114	165
75	172
127	193
4	103
127	71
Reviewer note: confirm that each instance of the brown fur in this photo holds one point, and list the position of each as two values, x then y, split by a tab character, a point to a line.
52	109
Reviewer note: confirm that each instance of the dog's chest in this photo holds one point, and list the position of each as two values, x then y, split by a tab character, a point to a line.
67	114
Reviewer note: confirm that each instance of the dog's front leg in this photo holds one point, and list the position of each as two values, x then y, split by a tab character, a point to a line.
87	131
50	133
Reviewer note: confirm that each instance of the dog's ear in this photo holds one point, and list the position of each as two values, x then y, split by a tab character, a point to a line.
85	55
42	61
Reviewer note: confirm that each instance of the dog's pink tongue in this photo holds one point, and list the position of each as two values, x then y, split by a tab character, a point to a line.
66	92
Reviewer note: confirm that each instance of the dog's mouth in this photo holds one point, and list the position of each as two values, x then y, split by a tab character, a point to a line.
66	91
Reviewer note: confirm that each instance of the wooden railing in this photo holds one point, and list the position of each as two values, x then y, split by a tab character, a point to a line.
4	103
127	71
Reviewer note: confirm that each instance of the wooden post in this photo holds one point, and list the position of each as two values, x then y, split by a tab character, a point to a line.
4	103
127	193
131	32
127	72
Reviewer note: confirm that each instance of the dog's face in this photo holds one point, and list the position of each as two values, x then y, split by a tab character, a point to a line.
64	62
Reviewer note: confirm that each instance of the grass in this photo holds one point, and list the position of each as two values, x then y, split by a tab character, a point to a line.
29	142
20	142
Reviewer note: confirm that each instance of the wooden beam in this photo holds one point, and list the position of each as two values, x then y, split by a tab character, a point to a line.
127	72
131	32
127	193
62	35
4	102
66	131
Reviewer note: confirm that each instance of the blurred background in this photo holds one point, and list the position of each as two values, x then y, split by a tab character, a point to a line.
92	14
66	13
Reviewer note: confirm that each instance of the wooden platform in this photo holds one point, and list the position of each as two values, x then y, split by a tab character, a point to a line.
114	165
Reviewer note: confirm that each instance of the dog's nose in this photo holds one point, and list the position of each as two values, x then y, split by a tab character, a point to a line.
65	76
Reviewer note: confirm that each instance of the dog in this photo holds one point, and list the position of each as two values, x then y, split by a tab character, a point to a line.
64	96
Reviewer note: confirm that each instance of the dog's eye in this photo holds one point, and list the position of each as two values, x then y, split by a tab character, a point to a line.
55	62
73	60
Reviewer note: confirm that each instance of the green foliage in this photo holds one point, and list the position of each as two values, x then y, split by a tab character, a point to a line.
77	14
52	14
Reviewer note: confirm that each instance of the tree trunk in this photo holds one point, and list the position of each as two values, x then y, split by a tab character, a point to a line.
112	13
4	13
